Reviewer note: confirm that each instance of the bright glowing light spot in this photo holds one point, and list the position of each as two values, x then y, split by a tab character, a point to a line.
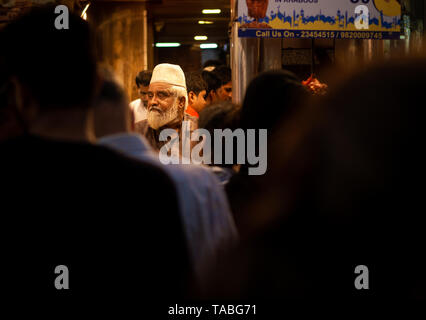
167	44
208	45
84	14
205	22
200	38
211	11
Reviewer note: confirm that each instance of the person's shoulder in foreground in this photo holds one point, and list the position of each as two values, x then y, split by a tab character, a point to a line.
73	204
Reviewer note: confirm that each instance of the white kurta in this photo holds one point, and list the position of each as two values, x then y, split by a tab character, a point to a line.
138	109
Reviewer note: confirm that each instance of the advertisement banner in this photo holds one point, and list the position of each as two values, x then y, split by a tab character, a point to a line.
332	19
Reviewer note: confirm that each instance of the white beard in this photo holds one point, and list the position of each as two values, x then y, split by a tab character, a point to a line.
157	120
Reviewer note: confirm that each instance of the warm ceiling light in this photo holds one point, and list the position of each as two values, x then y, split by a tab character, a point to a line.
205	22
208	46
211	11
200	38
167	44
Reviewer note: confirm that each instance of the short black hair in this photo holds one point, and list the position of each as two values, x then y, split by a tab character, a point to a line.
57	66
222	115
195	82
143	78
216	78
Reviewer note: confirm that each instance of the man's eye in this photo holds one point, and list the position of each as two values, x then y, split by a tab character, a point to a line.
161	95
150	95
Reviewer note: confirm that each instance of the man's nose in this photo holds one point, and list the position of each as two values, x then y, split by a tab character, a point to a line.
153	100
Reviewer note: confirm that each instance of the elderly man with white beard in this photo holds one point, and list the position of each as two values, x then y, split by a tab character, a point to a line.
167	101
208	223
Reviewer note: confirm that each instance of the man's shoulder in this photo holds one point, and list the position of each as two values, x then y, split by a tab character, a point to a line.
135	103
71	158
193	175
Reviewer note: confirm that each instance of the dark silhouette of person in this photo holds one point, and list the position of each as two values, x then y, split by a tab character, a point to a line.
67	202
270	99
343	194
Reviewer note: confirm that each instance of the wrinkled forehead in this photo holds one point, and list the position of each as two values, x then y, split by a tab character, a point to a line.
159	86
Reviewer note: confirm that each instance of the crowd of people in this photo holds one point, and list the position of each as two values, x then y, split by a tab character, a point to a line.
83	185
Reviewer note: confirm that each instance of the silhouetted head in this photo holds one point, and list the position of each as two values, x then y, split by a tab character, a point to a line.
112	114
223	115
269	98
53	68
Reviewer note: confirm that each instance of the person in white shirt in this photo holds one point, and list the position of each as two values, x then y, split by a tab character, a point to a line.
207	220
138	106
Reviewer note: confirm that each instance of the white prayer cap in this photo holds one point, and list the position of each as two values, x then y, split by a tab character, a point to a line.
169	73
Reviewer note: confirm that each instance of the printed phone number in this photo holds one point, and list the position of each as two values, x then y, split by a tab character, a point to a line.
341	35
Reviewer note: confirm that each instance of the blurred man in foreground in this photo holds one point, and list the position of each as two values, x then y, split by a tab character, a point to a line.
68	202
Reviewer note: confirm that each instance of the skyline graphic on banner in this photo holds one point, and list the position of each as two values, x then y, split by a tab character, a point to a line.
340	21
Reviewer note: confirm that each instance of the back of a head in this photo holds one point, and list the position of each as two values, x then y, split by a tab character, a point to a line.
143	78
270	97
220	115
111	112
195	82
56	66
223	73
216	78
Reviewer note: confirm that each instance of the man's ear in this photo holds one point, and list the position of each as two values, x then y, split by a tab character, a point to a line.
212	96
191	97
182	101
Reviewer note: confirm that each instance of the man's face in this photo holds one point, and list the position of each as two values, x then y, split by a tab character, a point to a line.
257	8
225	92
143	91
163	105
198	102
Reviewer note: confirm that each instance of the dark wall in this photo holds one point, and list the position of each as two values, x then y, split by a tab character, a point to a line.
188	57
